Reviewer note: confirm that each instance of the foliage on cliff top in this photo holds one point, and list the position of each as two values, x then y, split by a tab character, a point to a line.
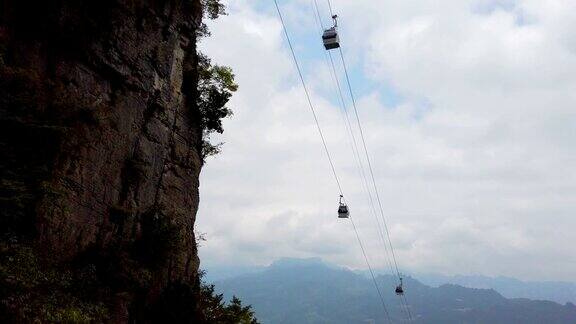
213	8
215	87
215	310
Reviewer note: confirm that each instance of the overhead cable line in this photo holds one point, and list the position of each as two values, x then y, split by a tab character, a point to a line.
373	179
308	98
331	66
376	191
328	154
330	7
371	271
353	143
370	166
362	137
346	118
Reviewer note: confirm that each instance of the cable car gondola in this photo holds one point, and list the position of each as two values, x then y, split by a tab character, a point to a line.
330	36
343	211
400	289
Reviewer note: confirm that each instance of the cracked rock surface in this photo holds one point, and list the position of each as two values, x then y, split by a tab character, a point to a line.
100	139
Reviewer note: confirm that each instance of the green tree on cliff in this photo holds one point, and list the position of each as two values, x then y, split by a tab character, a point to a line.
216	311
215	86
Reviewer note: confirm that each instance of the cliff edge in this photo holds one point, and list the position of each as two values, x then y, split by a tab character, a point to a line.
101	142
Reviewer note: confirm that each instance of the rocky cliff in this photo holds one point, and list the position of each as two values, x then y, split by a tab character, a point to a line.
101	145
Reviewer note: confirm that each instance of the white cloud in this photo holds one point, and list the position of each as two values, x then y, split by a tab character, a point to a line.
474	164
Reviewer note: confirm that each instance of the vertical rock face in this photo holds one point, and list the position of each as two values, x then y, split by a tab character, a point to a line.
100	139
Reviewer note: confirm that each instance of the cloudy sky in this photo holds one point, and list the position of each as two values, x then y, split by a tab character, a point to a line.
469	112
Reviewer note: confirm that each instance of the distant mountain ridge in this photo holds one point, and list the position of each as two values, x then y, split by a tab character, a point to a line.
310	291
560	292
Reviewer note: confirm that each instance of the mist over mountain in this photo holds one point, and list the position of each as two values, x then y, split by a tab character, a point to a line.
223	272
557	291
310	291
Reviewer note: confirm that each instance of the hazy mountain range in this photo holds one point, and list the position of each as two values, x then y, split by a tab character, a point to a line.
557	291
310	291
